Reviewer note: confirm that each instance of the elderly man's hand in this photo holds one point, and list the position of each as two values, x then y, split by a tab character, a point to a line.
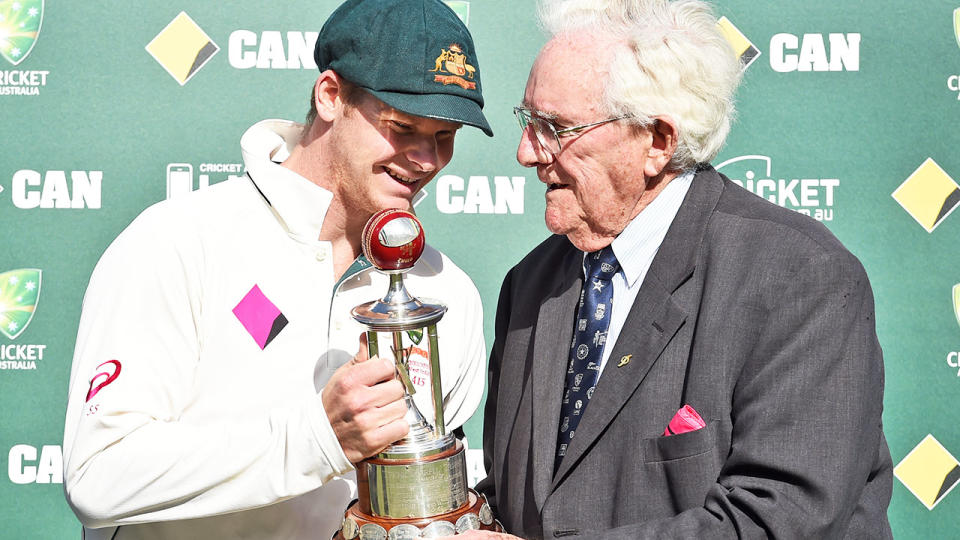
480	535
364	403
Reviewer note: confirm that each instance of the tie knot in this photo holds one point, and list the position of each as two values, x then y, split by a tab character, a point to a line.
602	264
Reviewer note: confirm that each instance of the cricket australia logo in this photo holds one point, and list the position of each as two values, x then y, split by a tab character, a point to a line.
454	61
956	301
953	81
19	293
19	27
956	25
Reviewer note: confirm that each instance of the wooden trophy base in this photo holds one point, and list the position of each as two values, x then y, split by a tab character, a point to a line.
475	514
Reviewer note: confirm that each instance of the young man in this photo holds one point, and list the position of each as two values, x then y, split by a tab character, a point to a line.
214	390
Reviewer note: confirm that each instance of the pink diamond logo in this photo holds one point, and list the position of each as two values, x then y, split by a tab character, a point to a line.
262	319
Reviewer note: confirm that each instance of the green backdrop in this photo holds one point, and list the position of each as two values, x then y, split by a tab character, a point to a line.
847	112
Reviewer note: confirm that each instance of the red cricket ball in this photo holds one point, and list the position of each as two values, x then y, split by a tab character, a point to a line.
393	239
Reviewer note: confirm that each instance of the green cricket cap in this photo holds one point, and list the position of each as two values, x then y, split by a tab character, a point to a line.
416	56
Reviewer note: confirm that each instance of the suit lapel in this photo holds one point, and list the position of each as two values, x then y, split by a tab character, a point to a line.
654	318
551	349
653	321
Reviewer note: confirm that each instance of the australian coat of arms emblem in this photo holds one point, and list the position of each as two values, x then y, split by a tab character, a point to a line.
452	60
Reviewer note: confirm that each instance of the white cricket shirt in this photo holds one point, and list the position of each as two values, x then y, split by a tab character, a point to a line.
209	328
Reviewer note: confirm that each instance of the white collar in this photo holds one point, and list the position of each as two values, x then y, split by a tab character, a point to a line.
639	242
299	203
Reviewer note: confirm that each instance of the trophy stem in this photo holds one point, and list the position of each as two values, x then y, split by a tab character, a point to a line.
401	362
436	390
421	439
420	434
372	348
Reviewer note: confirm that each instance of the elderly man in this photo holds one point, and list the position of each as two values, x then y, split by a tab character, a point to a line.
682	359
213	394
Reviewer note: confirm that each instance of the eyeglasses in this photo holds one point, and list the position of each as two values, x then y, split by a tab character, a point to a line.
547	133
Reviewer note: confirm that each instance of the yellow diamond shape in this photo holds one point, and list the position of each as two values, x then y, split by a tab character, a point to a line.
928	195
182	48
745	50
928	471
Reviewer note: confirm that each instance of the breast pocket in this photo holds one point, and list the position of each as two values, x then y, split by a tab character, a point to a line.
689	444
682	467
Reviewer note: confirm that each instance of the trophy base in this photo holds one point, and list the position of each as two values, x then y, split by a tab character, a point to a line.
474	514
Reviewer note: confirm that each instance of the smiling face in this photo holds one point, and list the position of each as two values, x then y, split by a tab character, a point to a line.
382	157
598	182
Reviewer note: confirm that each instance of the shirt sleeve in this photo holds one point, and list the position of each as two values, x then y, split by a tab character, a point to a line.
128	455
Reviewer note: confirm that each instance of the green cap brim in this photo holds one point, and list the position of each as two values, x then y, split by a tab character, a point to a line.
448	107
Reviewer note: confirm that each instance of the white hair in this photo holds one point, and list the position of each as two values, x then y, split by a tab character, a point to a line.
669	58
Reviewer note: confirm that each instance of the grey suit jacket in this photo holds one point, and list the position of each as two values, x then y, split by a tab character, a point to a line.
754	315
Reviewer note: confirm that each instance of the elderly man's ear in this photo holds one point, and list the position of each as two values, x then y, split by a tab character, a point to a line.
662	147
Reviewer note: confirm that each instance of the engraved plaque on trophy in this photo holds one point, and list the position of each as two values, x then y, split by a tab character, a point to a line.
416	487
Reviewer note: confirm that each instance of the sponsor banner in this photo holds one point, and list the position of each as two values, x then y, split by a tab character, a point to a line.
815	52
929	471
20	23
461	8
790	52
19	296
271	49
953	357
56	189
858	94
182	178
745	50
479	194
929	195
28	464
182	48
953	80
812	196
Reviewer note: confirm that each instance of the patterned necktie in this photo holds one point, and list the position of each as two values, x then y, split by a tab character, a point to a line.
589	336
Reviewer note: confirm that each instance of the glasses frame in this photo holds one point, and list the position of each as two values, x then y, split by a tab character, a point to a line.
528	117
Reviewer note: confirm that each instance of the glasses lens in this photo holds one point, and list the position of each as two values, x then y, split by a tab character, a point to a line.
542	128
546	134
523	118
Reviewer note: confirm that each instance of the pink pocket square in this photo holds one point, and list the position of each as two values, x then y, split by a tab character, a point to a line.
685	420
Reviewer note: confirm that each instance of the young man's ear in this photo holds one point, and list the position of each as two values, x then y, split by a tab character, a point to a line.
326	95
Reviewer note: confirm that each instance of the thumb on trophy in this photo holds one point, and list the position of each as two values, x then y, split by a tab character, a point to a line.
363	353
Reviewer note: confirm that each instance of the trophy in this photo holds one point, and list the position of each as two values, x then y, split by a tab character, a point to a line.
416	487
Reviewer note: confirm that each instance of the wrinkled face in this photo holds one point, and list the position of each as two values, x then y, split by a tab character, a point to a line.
383	157
596	183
